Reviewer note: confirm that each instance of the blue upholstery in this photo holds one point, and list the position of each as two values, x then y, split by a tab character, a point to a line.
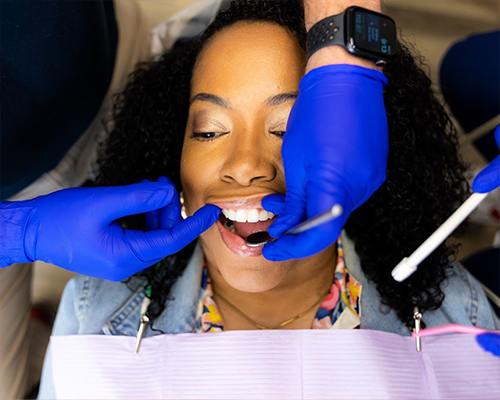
57	60
470	82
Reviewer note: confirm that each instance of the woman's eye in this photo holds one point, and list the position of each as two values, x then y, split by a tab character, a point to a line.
206	135
278	133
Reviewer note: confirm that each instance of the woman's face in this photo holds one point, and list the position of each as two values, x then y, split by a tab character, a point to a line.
243	87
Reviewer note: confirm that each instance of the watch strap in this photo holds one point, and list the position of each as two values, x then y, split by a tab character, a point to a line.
327	32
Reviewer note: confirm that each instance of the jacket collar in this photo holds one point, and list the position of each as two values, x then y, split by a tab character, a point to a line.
351	258
178	317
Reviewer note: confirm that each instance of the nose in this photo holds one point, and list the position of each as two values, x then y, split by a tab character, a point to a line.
248	161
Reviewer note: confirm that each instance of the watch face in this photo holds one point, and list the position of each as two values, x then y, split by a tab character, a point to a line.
372	33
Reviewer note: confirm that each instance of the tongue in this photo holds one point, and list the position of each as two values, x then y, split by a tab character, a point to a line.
244	229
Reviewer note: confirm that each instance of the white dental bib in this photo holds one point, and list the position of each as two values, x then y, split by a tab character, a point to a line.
281	364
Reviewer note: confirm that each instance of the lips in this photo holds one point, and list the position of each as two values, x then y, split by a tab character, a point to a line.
234	240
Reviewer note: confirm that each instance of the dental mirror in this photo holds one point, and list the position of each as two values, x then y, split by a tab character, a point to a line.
257	239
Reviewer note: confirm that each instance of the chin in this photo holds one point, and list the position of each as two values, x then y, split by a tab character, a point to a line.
254	278
245	273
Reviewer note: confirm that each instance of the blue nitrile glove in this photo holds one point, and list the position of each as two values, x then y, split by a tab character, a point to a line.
489	178
165	217
490	342
334	152
76	229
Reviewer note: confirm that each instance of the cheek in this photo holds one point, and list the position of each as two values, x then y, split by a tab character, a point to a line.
198	173
190	181
277	160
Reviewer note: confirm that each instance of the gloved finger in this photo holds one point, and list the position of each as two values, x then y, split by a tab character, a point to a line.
152	216
490	342
321	198
303	245
293	212
150	246
274	203
152	220
111	203
170	215
189	229
489	178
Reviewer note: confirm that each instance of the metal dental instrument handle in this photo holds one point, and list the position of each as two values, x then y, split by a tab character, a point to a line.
319	219
408	265
259	239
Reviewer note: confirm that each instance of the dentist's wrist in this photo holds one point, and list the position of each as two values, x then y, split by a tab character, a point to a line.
337	55
13	221
316	10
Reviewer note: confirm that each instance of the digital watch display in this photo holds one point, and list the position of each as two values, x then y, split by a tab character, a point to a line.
370	32
363	33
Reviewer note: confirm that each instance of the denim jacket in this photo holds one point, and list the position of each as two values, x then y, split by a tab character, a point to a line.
95	306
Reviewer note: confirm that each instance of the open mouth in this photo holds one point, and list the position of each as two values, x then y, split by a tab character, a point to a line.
235	225
246	222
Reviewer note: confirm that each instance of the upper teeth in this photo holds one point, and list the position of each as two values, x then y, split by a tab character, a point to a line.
252	215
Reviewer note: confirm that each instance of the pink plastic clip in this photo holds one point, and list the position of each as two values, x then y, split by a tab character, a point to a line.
450	328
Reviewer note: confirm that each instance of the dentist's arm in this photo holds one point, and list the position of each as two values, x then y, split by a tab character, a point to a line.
76	229
336	144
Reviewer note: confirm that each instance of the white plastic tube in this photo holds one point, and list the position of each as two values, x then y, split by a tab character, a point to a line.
408	265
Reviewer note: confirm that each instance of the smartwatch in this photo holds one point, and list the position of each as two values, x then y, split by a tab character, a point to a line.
363	33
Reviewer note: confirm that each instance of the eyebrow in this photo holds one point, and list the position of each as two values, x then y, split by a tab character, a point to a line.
275	100
211	98
281	98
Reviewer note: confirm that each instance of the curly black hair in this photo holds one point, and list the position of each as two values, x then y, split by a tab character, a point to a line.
425	178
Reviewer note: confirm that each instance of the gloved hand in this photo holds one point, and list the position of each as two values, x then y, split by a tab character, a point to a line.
76	229
165	217
489	178
486	181
489	342
334	152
